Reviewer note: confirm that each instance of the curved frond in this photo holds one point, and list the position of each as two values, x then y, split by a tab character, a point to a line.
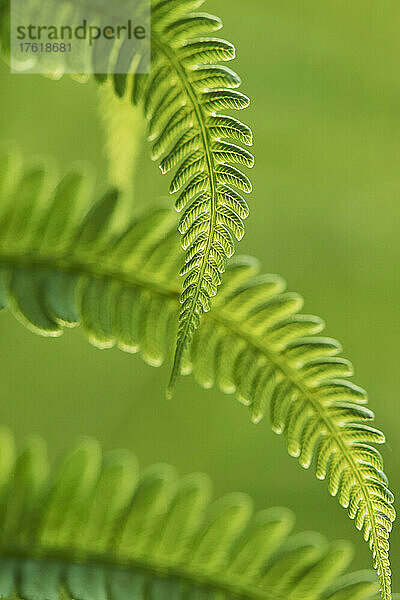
191	136
99	528
58	269
184	99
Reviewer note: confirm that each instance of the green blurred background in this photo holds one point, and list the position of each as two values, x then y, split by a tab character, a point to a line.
325	88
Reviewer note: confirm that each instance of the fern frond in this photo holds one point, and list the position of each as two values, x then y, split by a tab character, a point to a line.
186	127
58	270
97	528
182	99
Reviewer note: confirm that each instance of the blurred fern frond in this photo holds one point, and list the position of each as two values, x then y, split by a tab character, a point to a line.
59	268
182	100
98	528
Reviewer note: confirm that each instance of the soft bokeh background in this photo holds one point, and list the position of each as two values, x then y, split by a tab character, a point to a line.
325	87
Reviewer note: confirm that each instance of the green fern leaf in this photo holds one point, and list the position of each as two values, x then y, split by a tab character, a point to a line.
254	342
188	112
98	528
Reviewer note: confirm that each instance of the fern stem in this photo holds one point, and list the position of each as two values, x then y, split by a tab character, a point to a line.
88	269
201	580
124	128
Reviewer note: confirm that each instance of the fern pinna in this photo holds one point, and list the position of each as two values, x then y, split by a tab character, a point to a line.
182	100
60	268
98	528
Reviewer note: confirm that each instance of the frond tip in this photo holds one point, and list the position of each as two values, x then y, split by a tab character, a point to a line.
99	528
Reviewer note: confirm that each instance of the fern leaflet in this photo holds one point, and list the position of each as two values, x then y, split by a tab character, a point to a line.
58	269
100	529
186	127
